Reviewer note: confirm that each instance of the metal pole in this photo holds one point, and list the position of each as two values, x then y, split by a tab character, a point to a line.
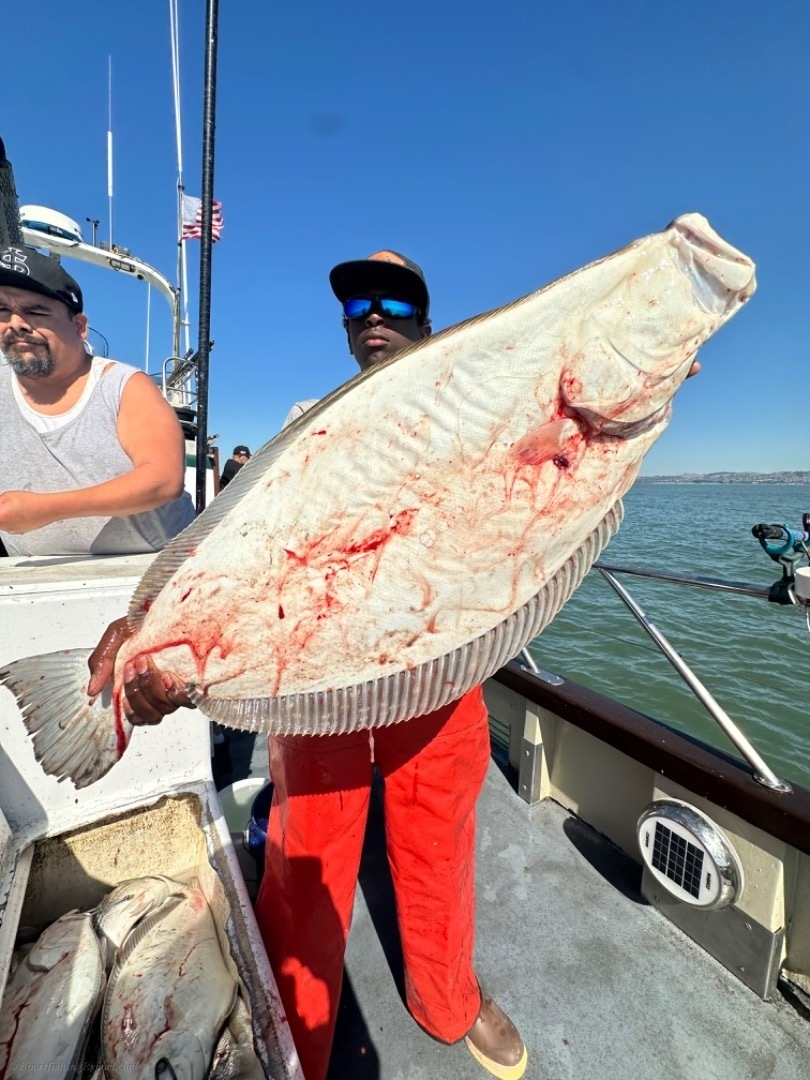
204	336
741	588
10	232
762	773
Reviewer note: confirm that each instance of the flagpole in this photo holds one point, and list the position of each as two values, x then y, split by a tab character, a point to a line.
110	147
204	336
182	260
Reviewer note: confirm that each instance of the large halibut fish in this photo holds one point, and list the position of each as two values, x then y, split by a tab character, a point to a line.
410	533
50	1001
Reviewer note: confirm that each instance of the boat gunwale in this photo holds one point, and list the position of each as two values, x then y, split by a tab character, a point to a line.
708	772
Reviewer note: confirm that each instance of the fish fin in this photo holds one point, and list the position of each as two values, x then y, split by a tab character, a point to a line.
544	442
130	944
74	736
244	714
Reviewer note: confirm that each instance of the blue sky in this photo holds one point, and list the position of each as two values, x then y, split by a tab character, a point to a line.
499	145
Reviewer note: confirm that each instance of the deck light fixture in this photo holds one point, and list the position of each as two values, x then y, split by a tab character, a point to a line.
689	856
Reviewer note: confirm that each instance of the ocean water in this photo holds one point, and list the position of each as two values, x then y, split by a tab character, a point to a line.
754	656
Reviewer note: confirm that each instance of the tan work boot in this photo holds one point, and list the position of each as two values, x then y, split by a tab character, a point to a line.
495	1042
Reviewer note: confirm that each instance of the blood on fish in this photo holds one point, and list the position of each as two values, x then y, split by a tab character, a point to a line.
561	461
121	741
280	611
17	1013
128	1023
185	595
542	443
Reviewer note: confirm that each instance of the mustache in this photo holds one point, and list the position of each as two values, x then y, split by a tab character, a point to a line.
13	337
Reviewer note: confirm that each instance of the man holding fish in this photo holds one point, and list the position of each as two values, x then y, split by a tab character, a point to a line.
91	455
393	575
433	768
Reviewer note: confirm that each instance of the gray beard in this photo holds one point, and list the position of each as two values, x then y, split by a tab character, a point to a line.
37	368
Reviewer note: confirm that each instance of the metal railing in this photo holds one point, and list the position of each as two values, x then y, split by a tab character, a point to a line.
763	774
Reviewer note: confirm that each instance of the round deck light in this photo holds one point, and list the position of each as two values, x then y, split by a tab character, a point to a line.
688	855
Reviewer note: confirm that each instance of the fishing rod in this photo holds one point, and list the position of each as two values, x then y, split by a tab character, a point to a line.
206	240
785	545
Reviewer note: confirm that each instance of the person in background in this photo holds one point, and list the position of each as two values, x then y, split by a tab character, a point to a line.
240	457
92	458
433	769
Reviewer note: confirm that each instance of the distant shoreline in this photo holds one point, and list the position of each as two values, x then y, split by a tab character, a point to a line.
729	478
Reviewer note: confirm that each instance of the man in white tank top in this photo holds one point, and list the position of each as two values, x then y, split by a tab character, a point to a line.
92	457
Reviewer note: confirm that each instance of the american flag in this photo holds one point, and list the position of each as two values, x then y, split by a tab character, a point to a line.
192	218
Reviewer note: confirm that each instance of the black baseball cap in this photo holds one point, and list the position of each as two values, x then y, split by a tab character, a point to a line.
240	450
26	268
387	270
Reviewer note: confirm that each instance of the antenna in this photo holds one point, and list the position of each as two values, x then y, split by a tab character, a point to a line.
182	264
110	146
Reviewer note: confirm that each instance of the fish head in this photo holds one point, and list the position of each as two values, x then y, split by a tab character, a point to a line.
636	343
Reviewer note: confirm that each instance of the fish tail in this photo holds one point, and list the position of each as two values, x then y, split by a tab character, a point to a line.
74	735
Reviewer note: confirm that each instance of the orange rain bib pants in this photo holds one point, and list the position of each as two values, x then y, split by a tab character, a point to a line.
434	768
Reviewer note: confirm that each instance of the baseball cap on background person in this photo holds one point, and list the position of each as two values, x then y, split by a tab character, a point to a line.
237	450
26	268
386	270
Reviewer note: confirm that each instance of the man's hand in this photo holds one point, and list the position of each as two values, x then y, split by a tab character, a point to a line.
22	511
149	694
101	660
694	369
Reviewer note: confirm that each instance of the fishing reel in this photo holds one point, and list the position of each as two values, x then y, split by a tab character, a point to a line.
788	547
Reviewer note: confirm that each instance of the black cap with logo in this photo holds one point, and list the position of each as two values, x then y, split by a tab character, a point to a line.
26	268
237	450
387	270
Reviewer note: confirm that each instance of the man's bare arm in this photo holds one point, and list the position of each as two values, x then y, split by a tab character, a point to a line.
152	438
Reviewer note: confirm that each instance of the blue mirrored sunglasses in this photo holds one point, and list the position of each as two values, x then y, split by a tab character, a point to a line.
359	306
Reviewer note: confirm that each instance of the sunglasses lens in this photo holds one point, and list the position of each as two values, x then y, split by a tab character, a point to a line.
397	309
357	307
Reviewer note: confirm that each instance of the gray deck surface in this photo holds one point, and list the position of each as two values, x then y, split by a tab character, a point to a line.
601	986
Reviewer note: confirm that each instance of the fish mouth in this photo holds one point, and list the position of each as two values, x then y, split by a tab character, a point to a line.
722	270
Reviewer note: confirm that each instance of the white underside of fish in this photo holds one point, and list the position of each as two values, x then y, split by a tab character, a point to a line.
169	995
50	1001
410	533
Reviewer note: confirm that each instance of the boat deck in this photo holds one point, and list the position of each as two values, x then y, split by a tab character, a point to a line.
601	986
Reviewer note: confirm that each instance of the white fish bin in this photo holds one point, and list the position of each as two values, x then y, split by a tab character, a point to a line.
155	812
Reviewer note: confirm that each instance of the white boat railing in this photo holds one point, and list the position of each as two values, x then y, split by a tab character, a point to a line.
111	258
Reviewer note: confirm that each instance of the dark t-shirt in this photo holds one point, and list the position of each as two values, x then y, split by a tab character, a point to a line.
229	471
